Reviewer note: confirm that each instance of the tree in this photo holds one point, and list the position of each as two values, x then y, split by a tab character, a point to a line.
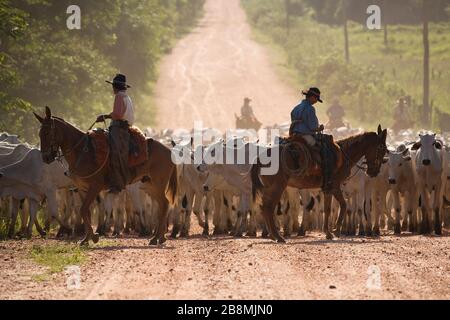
426	64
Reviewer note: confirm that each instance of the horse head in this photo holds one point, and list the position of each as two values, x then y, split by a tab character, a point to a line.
376	151
48	136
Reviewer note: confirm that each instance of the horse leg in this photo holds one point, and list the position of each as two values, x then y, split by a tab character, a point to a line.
327	209
342	210
162	220
91	195
270	200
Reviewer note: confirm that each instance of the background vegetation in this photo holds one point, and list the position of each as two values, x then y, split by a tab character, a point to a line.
44	63
382	65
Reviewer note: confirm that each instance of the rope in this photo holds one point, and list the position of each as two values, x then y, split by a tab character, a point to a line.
300	172
72	172
96	172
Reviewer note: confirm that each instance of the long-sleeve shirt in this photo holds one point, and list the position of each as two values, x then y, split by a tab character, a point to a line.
123	108
305	114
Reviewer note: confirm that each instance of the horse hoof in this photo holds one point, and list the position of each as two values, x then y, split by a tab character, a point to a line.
301	233
397	229
251	234
337	233
205	234
438	230
84	243
95	237
162	240
153	242
376	232
329	236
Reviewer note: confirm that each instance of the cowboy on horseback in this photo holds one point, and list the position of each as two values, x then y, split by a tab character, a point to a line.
335	115
247	119
122	118
304	123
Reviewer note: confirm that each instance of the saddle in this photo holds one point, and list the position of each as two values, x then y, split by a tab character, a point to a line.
138	150
315	167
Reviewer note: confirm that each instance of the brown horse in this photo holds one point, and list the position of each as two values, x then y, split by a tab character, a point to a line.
370	145
55	134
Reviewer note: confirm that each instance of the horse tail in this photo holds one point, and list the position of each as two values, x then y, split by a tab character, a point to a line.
257	184
172	187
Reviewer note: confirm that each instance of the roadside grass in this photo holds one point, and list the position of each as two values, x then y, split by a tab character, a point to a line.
58	256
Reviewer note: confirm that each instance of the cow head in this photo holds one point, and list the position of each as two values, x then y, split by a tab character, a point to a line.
398	161
428	148
48	136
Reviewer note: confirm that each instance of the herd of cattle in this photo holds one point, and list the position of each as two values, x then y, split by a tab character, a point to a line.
413	182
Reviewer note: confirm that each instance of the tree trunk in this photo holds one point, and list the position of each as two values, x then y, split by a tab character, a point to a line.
347	51
386	35
344	13
287	5
426	66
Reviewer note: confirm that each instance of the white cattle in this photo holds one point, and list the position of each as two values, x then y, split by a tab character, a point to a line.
35	181
431	169
403	184
231	175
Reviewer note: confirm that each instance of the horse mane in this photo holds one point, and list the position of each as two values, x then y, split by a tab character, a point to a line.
65	122
345	143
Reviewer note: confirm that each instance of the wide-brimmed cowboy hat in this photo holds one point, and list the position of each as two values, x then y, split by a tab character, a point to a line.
120	80
314	92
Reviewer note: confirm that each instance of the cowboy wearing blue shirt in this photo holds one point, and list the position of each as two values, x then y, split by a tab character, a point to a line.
304	118
304	122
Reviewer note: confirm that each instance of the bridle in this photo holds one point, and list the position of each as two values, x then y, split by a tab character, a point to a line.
54	147
56	153
379	156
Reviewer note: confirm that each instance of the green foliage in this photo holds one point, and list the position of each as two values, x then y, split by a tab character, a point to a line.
368	86
44	63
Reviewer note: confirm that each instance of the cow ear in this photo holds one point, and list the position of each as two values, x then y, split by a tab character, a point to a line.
416	146
438	145
385	160
40	119
407	158
48	113
379	129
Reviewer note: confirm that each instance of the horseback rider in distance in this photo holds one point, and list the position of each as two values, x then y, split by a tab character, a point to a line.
304	123
122	118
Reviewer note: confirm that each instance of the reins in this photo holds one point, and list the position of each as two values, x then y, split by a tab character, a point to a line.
85	138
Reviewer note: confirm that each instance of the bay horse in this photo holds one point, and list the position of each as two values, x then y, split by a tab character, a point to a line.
56	134
270	188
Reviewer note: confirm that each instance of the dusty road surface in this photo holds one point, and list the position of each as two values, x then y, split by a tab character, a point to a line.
205	78
211	70
411	267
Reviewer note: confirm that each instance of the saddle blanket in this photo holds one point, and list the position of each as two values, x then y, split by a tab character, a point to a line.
138	151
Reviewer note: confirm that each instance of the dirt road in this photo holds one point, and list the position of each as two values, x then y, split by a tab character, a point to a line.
411	267
205	78
211	70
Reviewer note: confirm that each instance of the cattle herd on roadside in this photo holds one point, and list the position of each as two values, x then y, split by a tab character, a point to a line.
409	195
